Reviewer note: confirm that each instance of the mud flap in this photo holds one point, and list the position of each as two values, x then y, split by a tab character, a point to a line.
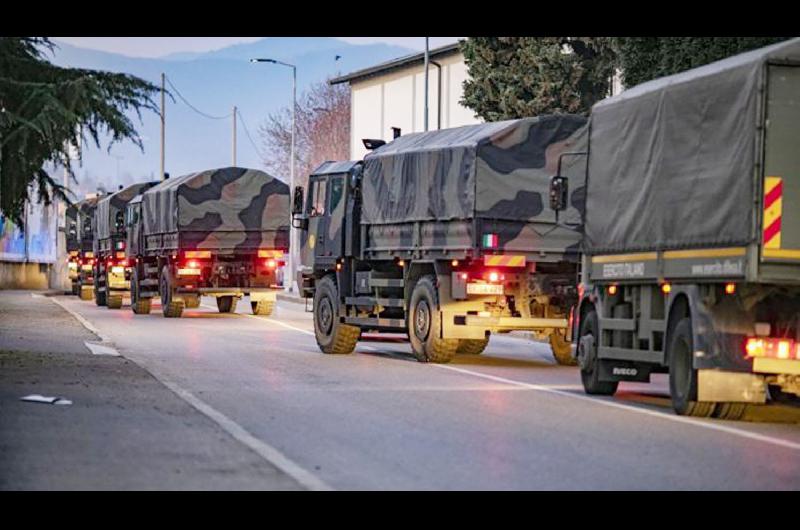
615	370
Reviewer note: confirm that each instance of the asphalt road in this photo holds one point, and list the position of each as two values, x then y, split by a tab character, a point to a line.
377	419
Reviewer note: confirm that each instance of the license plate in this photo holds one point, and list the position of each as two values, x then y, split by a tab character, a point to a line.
484	288
117	270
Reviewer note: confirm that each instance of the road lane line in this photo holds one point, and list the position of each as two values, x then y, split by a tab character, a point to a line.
272	455
268	319
88	325
553	390
263	449
648	412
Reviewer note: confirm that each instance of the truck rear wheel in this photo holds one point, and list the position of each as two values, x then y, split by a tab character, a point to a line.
424	325
332	335
730	411
471	346
227	304
114	301
99	296
170	307
262	307
683	376
140	306
562	350
191	301
76	288
587	354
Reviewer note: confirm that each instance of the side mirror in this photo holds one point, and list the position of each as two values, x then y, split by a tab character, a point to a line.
559	191
297	201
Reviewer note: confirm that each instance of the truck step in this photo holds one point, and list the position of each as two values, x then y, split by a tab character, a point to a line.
372	301
384	323
386	282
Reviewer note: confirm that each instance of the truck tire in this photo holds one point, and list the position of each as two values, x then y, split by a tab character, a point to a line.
588	358
86	293
191	301
730	411
333	336
99	296
471	346
114	301
262	307
562	350
139	306
424	325
169	306
683	376
227	304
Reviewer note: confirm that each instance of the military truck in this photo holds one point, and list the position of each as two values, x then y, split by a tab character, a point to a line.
692	262
79	246
445	236
112	271
221	232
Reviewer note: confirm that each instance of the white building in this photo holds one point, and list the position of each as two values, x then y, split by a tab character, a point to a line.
391	94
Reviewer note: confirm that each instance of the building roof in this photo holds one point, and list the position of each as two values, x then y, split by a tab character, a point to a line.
396	64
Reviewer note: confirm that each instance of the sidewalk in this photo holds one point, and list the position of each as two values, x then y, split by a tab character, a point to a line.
124	430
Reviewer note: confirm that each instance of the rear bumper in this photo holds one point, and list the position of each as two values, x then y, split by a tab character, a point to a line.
763	365
461	326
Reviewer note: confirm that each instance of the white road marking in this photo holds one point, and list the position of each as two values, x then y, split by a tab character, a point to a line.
272	455
268	319
101	349
648	412
266	451
88	325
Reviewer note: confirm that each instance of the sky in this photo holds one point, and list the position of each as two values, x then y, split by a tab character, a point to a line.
160	46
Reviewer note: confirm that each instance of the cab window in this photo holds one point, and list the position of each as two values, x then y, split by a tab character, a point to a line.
316	197
337	190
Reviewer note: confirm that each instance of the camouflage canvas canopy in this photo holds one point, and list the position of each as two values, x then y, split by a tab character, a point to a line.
231	199
111	207
496	170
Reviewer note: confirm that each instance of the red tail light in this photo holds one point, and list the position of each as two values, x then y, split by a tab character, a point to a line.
773	348
192	264
271	264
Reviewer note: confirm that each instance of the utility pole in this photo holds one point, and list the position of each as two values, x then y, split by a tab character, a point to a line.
163	117
427	60
234	136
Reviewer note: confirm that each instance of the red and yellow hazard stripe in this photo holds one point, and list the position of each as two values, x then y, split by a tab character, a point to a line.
504	261
773	205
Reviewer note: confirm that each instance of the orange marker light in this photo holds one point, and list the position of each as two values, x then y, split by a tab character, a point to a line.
402	263
730	288
612	290
666	288
454	263
338	266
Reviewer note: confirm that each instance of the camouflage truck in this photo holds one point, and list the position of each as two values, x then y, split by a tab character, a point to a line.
445	236
112	272
79	246
692	249
221	233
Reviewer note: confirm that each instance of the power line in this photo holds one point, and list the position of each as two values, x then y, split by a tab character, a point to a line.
209	116
247	133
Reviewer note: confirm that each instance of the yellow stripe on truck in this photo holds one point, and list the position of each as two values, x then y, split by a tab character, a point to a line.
504	261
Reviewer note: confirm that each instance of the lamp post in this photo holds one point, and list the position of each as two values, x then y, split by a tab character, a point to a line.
292	236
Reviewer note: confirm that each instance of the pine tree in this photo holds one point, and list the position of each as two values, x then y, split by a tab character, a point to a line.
514	77
46	109
644	58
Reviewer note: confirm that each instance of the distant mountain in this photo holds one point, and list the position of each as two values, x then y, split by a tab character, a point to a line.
213	82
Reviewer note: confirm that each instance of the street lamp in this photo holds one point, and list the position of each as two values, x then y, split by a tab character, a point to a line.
292	235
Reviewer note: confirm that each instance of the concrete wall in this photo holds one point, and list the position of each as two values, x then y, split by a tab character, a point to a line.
396	99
